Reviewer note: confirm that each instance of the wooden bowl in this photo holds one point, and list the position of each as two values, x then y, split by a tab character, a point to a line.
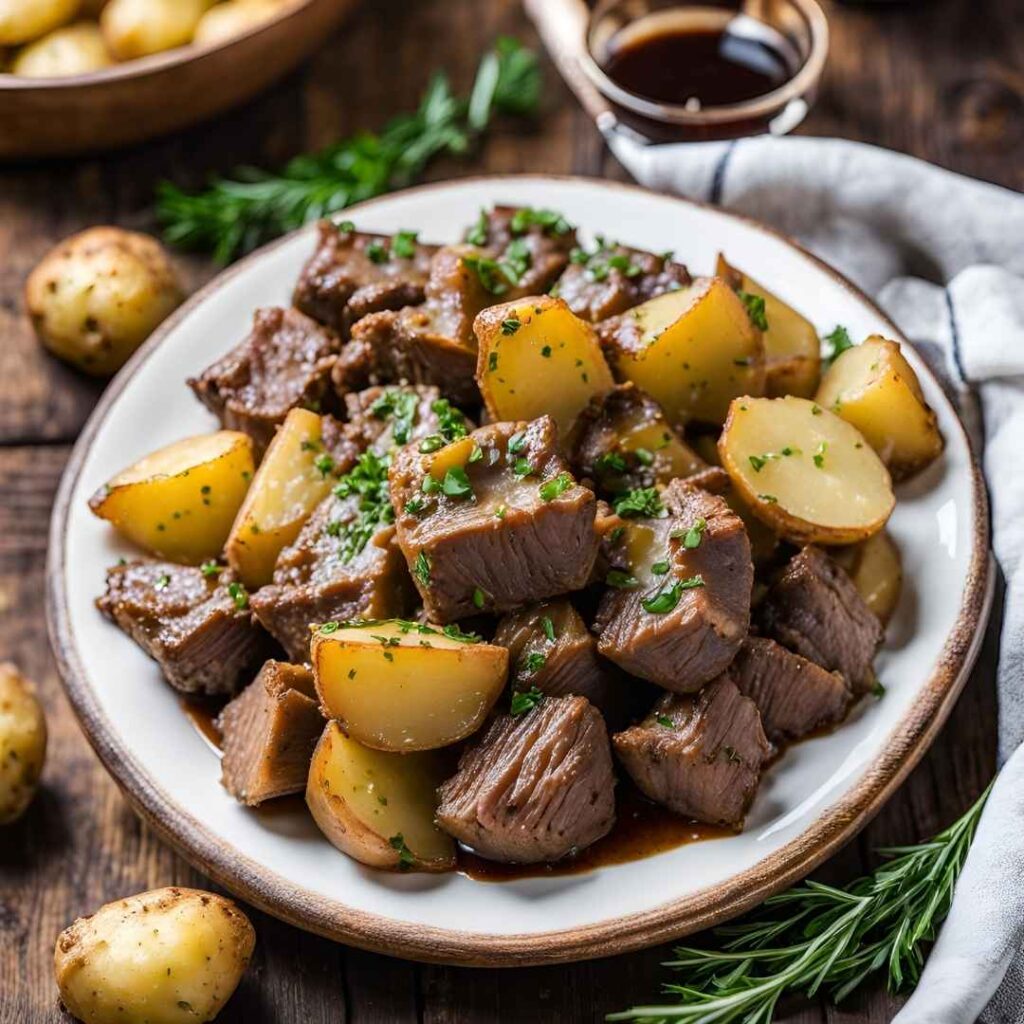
151	96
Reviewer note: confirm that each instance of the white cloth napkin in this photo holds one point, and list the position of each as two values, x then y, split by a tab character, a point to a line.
944	255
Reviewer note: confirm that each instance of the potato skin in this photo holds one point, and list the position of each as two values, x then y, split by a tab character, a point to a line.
98	295
73	50
22	743
168	956
21	21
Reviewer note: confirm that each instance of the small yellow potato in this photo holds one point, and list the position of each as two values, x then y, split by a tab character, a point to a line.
876	569
168	956
98	295
231	19
22	743
21	21
805	472
792	349
294	477
179	502
536	356
74	50
378	807
873	387
692	350
136	28
398	685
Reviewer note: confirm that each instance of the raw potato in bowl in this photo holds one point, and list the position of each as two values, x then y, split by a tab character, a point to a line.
73	50
136	28
21	21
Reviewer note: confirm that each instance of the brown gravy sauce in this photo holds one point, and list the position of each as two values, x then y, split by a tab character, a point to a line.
204	720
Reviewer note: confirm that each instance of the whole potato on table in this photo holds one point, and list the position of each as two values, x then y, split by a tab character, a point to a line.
136	28
21	21
98	295
22	743
169	956
73	50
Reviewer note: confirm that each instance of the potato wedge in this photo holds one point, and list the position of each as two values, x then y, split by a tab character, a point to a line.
792	349
22	742
692	350
536	356
805	472
378	807
179	502
876	569
169	956
397	685
873	387
292	480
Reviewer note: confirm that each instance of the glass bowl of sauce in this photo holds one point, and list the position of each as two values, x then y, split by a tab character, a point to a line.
675	71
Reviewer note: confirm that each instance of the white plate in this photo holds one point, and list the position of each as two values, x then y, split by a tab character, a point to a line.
813	800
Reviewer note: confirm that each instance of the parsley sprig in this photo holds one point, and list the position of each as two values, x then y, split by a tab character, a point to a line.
818	938
235	215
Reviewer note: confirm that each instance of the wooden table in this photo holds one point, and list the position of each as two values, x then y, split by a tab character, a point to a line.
939	79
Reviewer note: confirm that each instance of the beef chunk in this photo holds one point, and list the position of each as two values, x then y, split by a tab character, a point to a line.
285	362
344	564
537	787
537	243
698	755
189	623
550	648
352	274
794	695
414	345
614	278
269	732
623	441
494	530
692	570
814	609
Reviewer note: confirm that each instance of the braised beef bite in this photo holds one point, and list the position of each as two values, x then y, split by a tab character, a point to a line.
383	418
624	442
698	755
493	520
613	278
269	732
537	787
814	609
794	695
677	605
352	274
194	622
283	364
551	651
344	564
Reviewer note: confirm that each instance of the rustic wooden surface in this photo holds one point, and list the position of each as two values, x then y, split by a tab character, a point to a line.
940	80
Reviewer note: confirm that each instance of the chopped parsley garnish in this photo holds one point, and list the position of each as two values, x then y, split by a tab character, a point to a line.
431	443
239	595
665	721
615	534
660	568
641	502
404	244
162	582
324	464
621	580
405	857
522	467
475	455
209	569
510	325
494	275
414	506
666	600
878	690
329	627
755	309
368	480
421	568
479	598
400	404
836	342
346	226
819	455
377	252
548	626
477	234
691	537
456	484
453	632
534	661
549	221
492	362
430	485
500	512
769	499
551	489
610	462
451	419
525	700
546	351
644	457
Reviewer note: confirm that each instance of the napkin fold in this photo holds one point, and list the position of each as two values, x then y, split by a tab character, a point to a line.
944	256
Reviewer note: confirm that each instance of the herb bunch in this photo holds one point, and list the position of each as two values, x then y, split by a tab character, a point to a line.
235	215
816	938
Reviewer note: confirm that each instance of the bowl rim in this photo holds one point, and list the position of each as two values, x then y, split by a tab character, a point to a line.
152	64
908	739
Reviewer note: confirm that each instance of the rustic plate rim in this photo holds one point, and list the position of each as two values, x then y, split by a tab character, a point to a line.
908	738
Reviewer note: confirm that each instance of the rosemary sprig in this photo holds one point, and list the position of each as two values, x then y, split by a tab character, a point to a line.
235	215
817	938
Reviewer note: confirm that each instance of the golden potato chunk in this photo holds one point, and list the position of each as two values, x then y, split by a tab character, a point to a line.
805	472
179	502
378	807
22	743
73	50
169	956
692	350
792	349
397	685
537	357
294	477
876	569
21	21
95	297
873	387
